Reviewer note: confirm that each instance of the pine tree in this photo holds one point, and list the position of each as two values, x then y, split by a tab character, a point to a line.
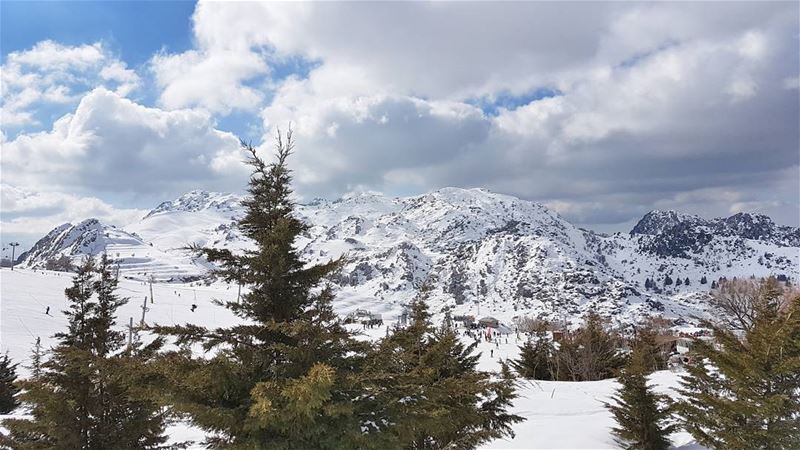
83	395
8	390
288	376
536	357
430	394
37	354
743	392
686	281
703	280
642	416
667	281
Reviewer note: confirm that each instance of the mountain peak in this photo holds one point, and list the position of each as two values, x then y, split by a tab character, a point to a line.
198	200
657	221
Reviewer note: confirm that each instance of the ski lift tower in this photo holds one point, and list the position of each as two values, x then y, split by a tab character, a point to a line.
13	246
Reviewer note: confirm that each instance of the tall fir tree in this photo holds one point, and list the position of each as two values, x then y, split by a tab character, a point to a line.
287	377
8	388
743	393
430	394
83	396
643	417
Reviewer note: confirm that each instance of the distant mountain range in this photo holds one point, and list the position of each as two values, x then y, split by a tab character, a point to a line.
481	252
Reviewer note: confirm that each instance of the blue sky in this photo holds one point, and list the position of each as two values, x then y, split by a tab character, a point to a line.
132	29
597	110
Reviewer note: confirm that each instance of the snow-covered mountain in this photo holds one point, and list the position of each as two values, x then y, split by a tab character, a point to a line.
482	252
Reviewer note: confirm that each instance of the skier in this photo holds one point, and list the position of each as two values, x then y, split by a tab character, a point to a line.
194	307
47	311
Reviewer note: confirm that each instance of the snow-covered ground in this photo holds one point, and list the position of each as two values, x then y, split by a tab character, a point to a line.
559	415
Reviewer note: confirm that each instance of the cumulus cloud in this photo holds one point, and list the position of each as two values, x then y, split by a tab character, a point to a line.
648	105
657	114
52	73
113	145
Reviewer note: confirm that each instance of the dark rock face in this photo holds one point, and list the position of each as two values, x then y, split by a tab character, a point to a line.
670	234
656	222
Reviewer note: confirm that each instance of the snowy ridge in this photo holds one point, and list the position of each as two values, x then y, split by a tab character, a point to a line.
481	252
134	257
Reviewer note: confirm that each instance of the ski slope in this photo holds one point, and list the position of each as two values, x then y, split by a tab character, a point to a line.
559	415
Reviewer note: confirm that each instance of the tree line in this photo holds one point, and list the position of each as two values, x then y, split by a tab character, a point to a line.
741	392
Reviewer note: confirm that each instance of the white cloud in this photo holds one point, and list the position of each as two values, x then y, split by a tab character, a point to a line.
657	104
26	212
617	140
52	73
111	144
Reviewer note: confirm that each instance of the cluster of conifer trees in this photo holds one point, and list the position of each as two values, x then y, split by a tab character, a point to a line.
587	354
741	392
289	376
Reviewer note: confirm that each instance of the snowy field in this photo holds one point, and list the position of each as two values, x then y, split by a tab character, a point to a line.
559	415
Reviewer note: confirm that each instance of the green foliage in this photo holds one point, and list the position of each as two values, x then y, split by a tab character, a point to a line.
37	354
8	391
536	357
88	394
642	416
429	393
744	392
288	376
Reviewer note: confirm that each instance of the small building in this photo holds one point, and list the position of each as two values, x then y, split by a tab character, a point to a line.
504	329
372	319
489	322
684	345
467	320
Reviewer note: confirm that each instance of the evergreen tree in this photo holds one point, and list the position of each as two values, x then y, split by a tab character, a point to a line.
642	416
288	376
83	395
743	393
431	394
667	281
37	354
646	343
8	391
686	281
589	354
703	280
678	282
536	356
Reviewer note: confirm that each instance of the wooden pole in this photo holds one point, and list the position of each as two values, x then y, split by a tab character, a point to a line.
144	311
130	333
152	300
